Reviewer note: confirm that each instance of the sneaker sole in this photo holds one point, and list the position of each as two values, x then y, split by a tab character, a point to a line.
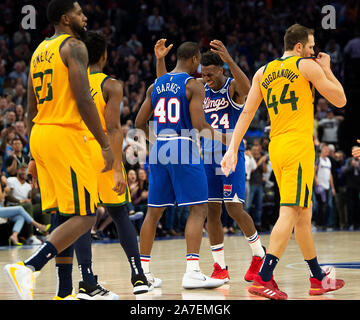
320	292
256	292
82	296
202	285
13	283
141	289
226	280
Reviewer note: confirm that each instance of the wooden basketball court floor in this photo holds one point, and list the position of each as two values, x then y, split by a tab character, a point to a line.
337	248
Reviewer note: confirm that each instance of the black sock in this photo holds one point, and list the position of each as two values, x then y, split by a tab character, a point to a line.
84	258
127	236
315	269
267	269
64	279
45	253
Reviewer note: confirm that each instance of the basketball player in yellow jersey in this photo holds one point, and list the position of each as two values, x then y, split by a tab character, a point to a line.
285	85
60	106
107	94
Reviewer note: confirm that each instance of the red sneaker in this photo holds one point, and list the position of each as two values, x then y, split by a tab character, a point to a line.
268	289
218	273
329	283
254	268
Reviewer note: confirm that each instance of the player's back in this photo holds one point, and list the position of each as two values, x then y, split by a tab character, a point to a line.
56	103
289	99
170	103
96	82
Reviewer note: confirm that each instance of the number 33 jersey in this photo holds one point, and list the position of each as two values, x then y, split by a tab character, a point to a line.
288	97
56	102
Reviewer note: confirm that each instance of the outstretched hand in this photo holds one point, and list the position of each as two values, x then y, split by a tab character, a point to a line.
160	49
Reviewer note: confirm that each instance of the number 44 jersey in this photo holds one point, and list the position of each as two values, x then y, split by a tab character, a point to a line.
288	97
56	102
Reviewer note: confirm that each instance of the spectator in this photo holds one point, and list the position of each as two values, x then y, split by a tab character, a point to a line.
21	193
257	185
19	72
324	188
329	127
155	23
351	171
250	165
17	159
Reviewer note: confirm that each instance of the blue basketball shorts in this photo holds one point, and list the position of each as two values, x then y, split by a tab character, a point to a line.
227	189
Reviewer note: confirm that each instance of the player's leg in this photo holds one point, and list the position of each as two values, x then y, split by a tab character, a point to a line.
147	236
194	195
128	240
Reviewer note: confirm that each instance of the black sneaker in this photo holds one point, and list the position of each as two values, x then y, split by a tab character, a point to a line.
96	292
141	284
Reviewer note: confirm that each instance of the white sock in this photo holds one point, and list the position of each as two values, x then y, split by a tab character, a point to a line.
255	245
218	254
145	263
192	262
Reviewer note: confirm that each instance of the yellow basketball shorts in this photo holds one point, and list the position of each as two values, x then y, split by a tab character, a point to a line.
108	197
292	160
67	179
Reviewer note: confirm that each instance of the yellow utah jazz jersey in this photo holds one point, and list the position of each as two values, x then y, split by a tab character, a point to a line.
288	97
96	81
56	102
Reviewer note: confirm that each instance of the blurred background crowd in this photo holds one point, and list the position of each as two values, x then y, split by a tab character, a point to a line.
252	31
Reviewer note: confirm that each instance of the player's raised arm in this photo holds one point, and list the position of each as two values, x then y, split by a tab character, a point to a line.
319	73
252	103
75	57
241	83
144	115
160	52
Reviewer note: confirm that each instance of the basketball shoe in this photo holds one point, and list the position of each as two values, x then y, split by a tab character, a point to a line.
219	273
255	266
329	283
196	279
96	292
22	279
156	282
71	296
141	284
267	289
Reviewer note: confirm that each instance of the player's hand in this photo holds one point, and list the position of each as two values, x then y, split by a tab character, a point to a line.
160	49
356	151
323	60
108	158
218	47
120	183
228	162
33	172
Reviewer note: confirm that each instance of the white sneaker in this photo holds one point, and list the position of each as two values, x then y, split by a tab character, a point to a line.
96	292
196	279
22	279
156	282
33	240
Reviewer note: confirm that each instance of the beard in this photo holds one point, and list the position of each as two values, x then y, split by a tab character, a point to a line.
80	31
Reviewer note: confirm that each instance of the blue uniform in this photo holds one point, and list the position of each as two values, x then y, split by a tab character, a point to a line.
222	114
177	172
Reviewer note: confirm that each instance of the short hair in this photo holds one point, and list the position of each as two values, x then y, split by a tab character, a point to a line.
211	58
187	50
96	45
295	34
57	8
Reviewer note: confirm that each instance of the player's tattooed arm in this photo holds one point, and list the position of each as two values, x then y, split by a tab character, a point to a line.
75	56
